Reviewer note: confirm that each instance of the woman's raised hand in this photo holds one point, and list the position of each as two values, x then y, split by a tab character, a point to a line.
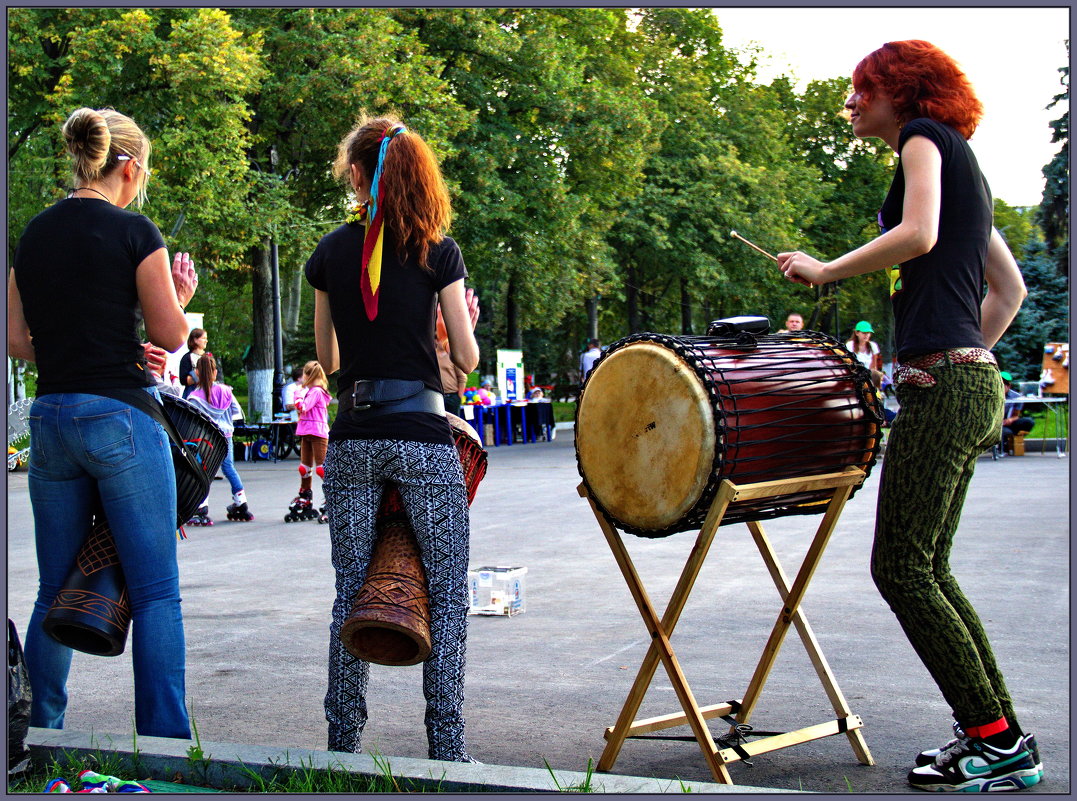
184	277
472	306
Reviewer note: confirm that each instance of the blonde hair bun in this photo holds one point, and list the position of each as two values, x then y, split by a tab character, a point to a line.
88	141
95	137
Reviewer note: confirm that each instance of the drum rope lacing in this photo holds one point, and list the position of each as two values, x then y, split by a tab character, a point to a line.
727	405
697	357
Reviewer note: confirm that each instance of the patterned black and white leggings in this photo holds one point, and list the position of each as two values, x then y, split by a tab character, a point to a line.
431	484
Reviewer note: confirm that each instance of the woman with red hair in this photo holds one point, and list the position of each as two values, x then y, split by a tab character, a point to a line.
377	281
936	226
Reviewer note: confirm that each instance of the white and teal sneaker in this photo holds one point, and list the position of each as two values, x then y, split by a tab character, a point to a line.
929	756
971	765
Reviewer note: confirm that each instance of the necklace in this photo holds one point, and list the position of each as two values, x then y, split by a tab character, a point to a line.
91	189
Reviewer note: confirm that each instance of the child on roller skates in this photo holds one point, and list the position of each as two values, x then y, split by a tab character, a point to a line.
311	401
221	405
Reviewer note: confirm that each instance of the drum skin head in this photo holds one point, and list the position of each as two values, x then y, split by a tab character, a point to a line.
645	435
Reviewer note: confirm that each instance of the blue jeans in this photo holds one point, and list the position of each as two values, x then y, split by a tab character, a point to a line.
80	446
228	467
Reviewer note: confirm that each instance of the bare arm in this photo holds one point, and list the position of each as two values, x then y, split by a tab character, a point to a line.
914	236
460	310
19	343
1005	290
325	335
163	294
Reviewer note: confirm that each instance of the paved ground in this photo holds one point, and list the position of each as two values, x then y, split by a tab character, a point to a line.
542	686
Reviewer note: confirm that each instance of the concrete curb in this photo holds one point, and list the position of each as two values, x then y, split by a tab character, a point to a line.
231	765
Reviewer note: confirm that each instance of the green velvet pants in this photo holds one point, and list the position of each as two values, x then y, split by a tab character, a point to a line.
930	457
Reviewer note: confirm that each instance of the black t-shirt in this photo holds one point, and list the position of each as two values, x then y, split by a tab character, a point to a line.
75	269
399	342
186	368
936	296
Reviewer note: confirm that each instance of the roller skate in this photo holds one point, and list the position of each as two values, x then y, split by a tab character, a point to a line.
302	508
237	510
323	517
201	517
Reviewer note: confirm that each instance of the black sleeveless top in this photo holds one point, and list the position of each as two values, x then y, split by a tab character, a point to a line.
936	297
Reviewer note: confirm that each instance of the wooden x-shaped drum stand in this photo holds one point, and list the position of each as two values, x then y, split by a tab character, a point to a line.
661	630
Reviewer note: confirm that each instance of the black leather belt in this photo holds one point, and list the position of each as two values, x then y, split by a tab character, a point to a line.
376	397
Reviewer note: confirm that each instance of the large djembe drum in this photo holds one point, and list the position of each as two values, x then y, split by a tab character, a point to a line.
91	612
663	420
389	623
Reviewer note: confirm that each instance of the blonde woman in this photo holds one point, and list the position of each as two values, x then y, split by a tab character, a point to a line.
86	273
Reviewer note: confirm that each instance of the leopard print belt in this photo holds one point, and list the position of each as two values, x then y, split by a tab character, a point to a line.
913	371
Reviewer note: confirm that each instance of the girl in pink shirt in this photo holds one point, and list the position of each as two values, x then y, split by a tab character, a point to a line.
311	401
217	401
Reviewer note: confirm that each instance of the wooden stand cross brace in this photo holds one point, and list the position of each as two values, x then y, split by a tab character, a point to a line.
661	630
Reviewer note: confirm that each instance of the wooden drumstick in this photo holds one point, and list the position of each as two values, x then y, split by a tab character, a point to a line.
735	235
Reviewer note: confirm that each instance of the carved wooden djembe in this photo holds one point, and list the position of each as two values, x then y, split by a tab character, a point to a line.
389	622
91	613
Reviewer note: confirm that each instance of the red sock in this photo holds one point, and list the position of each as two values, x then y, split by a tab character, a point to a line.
998	734
987	729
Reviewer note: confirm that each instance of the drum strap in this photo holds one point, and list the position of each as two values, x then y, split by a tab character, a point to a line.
145	402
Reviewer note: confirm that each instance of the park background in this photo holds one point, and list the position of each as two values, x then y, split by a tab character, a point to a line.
597	158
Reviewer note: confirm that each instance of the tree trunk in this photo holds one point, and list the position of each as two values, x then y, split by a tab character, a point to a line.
512	318
259	362
646	304
632	300
824	317
592	317
686	308
293	302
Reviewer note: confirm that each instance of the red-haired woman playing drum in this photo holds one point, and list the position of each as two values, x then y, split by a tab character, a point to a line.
936	224
378	279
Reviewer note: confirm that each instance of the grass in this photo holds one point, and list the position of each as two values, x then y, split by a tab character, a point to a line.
309	779
1044	424
196	757
67	767
583	787
564	411
304	779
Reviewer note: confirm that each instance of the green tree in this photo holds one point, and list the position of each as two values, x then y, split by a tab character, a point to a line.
324	67
558	141
1055	208
855	174
1043	317
1017	226
725	163
180	74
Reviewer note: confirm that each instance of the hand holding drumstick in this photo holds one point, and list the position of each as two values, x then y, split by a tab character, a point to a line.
802	268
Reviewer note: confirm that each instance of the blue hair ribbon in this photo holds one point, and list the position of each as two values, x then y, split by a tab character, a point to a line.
389	134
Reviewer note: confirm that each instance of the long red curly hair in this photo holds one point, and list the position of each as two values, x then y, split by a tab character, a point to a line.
924	82
411	191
